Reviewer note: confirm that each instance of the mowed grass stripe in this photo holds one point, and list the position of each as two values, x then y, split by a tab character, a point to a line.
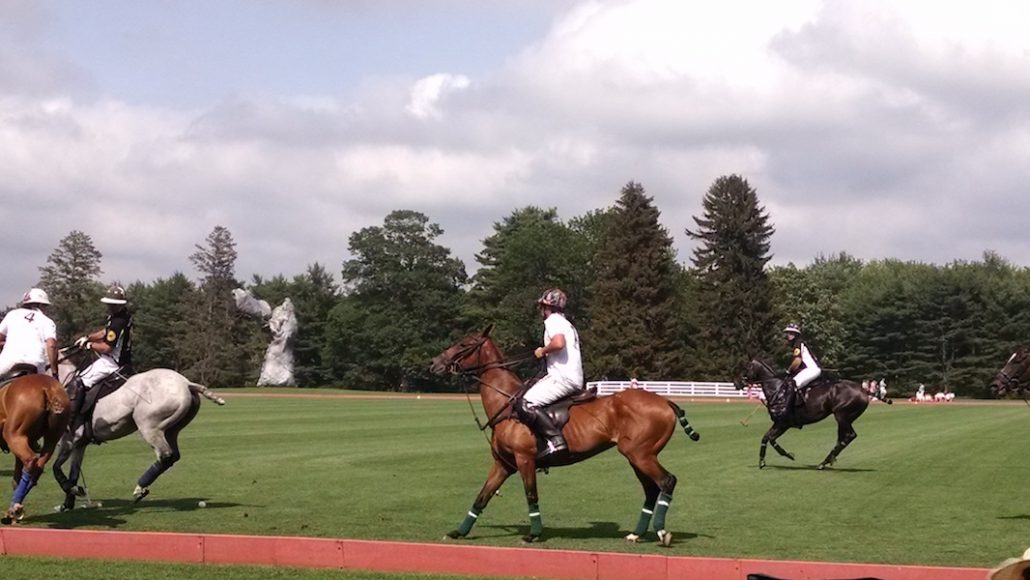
921	485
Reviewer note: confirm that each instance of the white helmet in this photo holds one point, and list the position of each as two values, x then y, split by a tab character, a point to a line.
793	329
35	296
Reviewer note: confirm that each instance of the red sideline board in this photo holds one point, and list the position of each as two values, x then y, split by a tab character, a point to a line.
435	558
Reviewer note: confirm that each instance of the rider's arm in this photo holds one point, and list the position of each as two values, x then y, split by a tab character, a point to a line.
51	347
556	344
795	363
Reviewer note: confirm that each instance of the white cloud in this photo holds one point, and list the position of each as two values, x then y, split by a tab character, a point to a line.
428	92
880	128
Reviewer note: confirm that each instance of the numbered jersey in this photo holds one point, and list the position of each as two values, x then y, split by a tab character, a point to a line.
27	331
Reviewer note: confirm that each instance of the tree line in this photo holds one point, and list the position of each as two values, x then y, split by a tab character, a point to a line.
402	298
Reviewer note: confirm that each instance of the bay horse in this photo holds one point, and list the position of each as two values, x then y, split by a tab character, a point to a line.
33	407
845	400
159	403
1013	377
637	422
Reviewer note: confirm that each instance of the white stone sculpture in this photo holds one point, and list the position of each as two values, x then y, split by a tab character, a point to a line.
277	370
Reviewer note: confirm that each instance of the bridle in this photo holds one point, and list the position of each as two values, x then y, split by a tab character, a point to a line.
474	375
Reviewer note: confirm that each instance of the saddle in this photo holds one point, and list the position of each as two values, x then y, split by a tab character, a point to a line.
17	371
558	411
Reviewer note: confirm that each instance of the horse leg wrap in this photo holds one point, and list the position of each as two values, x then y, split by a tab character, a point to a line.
469	521
154	471
660	509
27	483
645	520
536	523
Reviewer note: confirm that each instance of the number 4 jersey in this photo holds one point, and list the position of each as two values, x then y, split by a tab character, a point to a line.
27	331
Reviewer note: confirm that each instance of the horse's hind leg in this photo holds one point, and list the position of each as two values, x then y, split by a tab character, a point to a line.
167	454
651	492
25	472
666	483
499	472
845	435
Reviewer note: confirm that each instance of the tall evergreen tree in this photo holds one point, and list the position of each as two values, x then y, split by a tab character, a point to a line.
404	303
737	320
158	325
70	278
212	347
635	307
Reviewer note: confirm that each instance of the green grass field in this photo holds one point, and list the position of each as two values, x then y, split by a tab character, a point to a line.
942	485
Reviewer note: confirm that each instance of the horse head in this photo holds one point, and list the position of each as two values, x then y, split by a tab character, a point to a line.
755	371
1013	376
463	356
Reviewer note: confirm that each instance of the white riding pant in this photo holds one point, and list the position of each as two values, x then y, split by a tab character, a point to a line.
101	368
807	376
7	363
548	390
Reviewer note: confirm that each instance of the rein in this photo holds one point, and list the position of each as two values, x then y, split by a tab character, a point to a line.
475	373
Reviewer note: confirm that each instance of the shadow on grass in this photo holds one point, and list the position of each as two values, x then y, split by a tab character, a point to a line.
596	531
113	510
6	472
816	468
1019	517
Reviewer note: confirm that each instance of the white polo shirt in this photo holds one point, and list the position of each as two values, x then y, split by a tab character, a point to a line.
27	331
565	365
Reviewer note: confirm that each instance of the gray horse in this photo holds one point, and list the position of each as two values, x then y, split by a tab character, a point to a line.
158	403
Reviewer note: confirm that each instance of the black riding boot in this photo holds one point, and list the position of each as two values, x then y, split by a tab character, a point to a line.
547	429
77	396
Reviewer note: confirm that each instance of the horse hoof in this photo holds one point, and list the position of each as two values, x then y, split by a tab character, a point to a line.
79	491
695	436
665	537
453	535
530	539
139	493
821	466
761	465
790	456
633	539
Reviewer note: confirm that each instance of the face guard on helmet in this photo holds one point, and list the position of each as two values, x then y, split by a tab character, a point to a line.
792	329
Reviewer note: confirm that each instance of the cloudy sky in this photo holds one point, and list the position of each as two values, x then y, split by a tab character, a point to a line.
880	128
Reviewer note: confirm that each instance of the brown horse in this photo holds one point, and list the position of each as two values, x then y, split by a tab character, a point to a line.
845	400
32	407
1015	375
637	422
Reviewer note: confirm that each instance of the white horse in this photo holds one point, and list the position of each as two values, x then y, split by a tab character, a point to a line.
158	403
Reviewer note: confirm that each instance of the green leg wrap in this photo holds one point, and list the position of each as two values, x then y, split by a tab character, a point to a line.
536	524
469	521
660	509
644	521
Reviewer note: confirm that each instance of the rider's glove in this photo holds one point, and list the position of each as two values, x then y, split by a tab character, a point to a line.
81	342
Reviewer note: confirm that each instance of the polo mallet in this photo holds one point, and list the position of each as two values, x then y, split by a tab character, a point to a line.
745	420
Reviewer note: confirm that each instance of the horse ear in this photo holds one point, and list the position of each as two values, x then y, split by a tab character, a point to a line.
488	330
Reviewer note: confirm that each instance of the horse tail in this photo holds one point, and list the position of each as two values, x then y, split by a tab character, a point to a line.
682	416
207	394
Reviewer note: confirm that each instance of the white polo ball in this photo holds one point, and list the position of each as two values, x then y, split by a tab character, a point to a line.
202	504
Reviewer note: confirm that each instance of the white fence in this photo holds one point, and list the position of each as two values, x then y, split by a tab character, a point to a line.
677	389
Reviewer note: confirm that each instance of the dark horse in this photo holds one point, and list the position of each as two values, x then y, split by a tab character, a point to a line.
32	407
637	422
1013	377
845	400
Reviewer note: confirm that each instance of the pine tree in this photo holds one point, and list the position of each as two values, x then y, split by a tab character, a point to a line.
212	347
737	320
70	278
635	307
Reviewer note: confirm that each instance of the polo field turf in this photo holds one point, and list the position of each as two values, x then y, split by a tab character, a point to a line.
922	484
